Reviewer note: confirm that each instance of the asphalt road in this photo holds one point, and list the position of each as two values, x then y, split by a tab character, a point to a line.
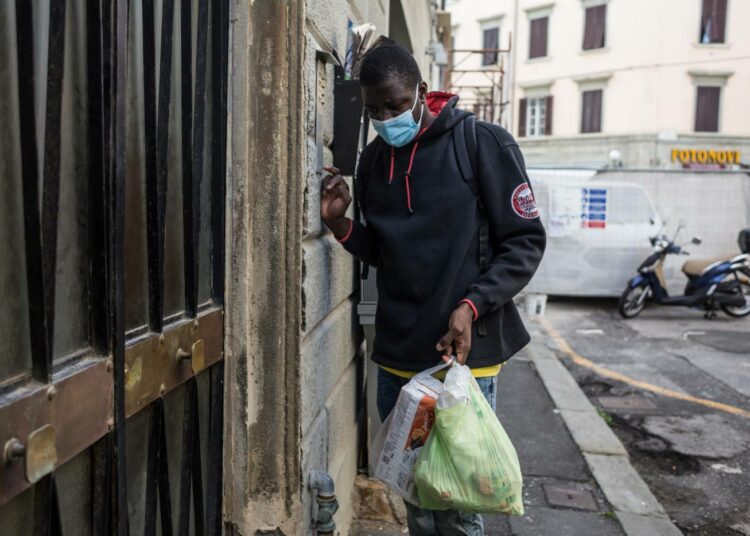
695	453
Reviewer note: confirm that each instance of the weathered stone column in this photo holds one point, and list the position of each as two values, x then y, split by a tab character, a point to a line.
263	274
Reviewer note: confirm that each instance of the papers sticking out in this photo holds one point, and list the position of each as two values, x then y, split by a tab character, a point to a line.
363	39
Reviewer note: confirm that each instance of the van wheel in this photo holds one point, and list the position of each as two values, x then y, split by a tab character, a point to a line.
633	301
741	310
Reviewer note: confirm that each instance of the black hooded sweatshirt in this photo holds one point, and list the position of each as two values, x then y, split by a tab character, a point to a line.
422	234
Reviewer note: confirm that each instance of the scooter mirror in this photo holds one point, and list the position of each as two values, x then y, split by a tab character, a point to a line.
696	240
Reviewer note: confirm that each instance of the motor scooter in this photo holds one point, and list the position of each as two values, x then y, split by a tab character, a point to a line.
721	282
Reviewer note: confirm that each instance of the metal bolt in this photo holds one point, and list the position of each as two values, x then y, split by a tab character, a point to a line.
110	365
162	339
110	423
162	389
182	354
126	370
195	325
14	449
51	392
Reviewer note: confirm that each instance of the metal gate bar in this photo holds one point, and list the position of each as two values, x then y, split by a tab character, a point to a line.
35	254
220	66
115	77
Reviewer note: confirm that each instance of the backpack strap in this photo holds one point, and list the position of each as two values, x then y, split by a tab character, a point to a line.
465	144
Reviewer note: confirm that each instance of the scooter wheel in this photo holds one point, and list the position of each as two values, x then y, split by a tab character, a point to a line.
632	301
742	310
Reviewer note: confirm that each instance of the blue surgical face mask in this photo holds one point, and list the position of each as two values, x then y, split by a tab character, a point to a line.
399	130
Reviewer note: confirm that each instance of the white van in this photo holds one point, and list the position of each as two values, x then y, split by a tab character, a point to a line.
597	232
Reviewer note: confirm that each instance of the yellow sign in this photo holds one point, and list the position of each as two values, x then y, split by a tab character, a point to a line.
705	156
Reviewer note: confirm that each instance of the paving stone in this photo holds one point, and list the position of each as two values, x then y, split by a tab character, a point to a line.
698	435
626	403
591	433
636	525
622	485
561	386
570	498
538	521
539	435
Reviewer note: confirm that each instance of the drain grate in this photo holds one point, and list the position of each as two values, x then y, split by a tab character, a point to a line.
626	403
570	498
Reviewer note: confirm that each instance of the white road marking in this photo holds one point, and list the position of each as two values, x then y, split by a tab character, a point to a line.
590	331
691	333
726	469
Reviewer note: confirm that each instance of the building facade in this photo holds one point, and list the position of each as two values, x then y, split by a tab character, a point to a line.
612	82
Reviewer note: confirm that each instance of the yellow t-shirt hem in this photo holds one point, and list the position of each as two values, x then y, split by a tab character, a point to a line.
479	372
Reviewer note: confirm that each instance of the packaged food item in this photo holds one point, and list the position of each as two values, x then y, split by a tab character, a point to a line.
469	463
405	432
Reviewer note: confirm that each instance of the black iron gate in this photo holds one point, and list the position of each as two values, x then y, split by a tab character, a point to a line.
112	161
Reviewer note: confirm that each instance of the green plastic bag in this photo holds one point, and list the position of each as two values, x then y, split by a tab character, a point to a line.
468	463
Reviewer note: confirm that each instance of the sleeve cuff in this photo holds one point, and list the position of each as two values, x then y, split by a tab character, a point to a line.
348	233
473	307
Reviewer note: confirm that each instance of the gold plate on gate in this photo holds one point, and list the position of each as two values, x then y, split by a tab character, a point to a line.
198	360
41	453
155	365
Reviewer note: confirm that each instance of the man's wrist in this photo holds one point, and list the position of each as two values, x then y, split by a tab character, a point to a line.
339	227
466	309
467	303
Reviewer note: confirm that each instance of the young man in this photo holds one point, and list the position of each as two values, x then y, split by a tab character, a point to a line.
450	256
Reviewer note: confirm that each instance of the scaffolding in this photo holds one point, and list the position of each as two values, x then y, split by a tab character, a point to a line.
485	98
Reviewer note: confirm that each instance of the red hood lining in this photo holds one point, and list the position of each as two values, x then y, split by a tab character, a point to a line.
436	101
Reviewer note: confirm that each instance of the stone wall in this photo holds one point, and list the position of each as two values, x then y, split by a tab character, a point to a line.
295	352
330	337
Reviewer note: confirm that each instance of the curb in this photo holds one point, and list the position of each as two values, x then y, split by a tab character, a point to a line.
636	508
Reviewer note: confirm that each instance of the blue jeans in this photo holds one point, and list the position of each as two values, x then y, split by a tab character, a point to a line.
424	522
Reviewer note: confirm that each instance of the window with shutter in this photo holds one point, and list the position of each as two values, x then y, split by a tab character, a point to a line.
490	40
538	37
595	27
548	116
713	21
591	115
522	105
707	109
536	116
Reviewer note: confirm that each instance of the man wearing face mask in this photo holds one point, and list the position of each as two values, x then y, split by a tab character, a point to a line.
450	255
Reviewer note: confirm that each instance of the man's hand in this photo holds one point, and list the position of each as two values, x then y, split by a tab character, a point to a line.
458	339
334	202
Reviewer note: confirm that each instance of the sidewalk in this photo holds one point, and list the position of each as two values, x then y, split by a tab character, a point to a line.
577	477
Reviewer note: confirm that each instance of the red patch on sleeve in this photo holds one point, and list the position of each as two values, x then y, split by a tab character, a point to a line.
523	202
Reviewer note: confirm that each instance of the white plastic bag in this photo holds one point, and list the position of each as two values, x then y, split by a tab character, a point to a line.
405	431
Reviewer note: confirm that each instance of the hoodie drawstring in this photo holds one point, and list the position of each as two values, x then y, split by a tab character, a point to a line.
407	175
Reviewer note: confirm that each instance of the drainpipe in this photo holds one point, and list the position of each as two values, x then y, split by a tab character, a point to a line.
322	484
513	58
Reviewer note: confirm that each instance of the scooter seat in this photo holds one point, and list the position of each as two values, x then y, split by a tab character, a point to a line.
695	267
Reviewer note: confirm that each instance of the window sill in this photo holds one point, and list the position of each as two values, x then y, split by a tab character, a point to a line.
540	59
715	46
594	51
536	138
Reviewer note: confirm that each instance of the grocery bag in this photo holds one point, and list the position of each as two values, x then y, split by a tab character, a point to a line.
405	432
468	463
